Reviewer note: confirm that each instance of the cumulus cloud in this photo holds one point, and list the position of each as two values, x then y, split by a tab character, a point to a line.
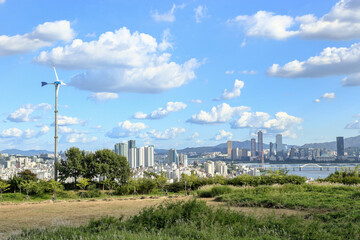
282	123
251	72
331	61
341	23
44	35
200	13
168	16
328	96
161	112
266	24
229	72
23	113
126	129
121	61
170	133
103	96
218	114
234	92
317	100
195	135
222	134
15	133
66	121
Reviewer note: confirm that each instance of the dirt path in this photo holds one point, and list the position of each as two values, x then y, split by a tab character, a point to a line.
14	217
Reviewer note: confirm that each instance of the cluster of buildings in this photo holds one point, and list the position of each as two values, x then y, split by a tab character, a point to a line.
42	165
137	157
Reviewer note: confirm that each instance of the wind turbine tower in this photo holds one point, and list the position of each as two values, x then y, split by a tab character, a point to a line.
57	84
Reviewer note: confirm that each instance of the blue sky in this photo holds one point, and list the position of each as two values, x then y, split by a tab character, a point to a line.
178	74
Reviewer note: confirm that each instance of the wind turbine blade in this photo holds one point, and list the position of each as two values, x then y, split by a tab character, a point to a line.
55	73
44	83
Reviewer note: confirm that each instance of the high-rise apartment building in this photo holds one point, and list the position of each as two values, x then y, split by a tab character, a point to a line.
132	159
221	168
253	147
279	145
229	148
173	156
340	146
132	144
140	158
271	152
209	168
235	154
260	145
149	156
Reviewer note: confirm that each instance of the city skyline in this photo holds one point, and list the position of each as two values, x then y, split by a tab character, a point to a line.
179	74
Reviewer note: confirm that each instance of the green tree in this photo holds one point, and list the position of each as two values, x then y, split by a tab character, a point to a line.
161	181
54	187
110	185
82	184
73	166
112	166
27	175
4	186
28	186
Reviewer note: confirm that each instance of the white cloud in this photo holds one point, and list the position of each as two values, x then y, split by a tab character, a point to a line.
66	121
121	61
243	43
235	91
103	96
251	120
126	129
331	61
223	135
328	96
168	16
15	133
200	13
219	114
266	24
196	101
166	41
195	135
351	80
161	112
353	125
170	133
341	23
44	35
2	1
317	100
78	138
23	113
282	123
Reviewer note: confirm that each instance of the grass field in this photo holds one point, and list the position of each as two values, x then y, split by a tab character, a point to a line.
307	211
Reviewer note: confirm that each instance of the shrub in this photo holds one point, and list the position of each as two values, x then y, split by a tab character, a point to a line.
93	191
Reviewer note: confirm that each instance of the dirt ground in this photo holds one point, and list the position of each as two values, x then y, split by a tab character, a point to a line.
15	216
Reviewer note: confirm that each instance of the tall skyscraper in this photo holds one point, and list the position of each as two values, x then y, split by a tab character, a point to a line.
132	159
140	158
271	149
149	156
235	154
260	145
132	144
340	146
253	147
279	145
122	149
117	148
229	148
173	157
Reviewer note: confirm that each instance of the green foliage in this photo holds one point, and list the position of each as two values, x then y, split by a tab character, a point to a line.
83	183
93	191
73	166
214	191
4	186
344	176
27	175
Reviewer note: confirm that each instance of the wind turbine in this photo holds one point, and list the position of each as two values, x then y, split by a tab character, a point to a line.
57	84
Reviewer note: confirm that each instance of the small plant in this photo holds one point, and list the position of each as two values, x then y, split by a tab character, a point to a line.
3	188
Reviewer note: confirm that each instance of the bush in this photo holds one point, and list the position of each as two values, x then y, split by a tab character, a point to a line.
93	192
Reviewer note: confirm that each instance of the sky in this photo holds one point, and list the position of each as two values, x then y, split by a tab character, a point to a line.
178	74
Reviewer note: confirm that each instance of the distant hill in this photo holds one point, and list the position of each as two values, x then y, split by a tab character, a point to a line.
348	142
24	153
